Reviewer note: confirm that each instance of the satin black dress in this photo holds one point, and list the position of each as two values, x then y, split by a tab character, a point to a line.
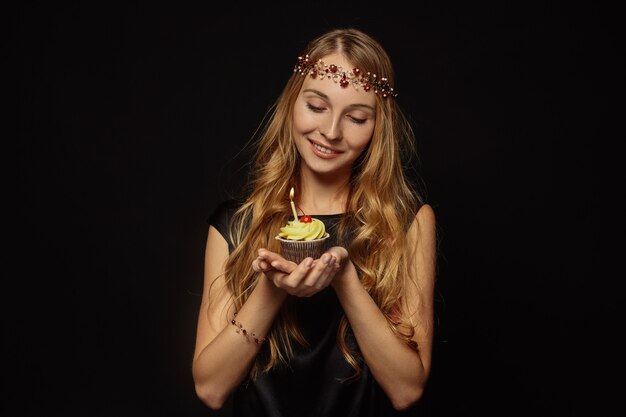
311	385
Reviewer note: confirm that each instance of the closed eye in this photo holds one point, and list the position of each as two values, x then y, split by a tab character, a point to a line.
315	109
358	121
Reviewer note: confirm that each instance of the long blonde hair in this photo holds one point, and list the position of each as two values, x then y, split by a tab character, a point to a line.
380	207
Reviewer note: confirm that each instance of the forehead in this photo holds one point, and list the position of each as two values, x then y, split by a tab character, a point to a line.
334	91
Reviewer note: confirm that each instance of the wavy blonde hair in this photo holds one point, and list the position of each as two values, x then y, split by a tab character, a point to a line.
380	207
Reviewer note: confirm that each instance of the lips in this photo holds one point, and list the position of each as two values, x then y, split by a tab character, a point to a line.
322	153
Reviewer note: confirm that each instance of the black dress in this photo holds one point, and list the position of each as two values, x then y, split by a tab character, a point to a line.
311	384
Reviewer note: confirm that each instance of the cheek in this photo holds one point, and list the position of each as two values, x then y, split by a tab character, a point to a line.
303	121
360	139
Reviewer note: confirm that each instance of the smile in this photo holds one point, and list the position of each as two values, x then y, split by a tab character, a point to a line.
322	149
323	152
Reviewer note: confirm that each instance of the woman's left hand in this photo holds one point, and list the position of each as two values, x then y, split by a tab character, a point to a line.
320	272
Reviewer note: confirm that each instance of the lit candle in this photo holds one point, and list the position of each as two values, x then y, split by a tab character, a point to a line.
293	206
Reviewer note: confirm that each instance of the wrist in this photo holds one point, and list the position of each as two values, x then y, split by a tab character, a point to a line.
270	290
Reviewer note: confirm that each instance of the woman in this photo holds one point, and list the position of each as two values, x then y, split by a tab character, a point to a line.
349	333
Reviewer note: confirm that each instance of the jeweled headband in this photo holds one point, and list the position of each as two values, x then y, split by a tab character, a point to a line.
355	77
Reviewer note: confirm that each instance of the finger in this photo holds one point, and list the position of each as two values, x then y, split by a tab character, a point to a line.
255	266
315	280
260	265
284	265
268	254
327	279
277	261
317	274
328	276
295	278
339	252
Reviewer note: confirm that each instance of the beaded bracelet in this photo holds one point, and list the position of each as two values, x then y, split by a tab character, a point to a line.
240	329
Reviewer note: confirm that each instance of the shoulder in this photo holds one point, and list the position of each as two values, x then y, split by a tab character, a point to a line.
424	224
222	213
426	216
221	217
227	206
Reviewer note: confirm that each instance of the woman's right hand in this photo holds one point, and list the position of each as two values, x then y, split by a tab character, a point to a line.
301	280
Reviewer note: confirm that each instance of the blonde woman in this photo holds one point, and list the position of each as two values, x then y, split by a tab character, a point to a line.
349	333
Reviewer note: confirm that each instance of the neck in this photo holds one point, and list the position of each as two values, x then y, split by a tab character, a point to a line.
323	194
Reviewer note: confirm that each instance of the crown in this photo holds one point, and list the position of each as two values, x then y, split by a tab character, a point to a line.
356	77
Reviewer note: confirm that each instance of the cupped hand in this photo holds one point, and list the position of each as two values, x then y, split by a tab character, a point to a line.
304	279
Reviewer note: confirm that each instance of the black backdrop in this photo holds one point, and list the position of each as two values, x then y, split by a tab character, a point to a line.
131	117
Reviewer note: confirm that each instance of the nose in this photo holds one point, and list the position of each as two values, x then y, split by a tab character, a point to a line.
332	130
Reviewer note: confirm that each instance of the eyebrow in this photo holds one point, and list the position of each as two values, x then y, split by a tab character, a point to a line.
324	96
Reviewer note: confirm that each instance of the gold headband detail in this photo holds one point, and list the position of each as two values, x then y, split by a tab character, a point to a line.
355	77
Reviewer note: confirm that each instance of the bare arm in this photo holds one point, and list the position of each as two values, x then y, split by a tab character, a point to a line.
399	370
223	357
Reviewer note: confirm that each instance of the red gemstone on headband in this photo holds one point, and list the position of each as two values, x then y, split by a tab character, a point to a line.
359	78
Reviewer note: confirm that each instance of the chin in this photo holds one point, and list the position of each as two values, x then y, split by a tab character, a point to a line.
326	168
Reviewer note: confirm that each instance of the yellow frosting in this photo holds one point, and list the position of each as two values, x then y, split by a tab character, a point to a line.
303	231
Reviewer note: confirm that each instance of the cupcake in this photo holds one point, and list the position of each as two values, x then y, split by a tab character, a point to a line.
302	238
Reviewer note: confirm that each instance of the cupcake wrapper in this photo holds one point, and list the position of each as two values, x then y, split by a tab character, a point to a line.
297	250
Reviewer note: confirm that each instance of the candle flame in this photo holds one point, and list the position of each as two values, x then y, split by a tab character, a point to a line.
291	194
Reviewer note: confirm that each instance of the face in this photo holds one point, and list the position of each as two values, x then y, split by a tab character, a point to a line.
332	125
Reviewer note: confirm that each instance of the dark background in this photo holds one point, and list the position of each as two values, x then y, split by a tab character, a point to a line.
131	117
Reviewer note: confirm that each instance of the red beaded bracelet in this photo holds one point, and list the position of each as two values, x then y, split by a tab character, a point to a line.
240	329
